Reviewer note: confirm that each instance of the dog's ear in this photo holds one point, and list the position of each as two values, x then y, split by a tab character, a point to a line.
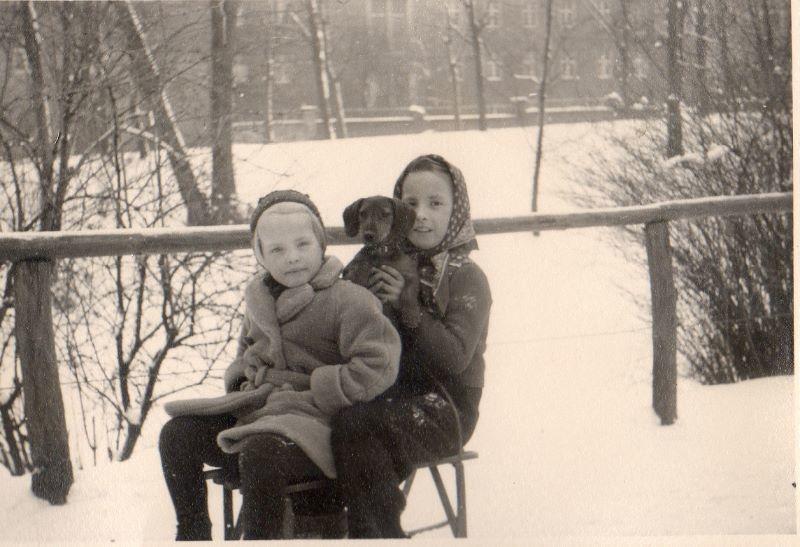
350	216
404	217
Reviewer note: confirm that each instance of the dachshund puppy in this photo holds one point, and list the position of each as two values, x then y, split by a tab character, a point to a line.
383	224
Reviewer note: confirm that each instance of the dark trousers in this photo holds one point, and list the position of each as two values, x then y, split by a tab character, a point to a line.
266	465
375	446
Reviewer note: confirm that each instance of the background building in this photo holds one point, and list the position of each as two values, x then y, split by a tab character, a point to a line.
607	58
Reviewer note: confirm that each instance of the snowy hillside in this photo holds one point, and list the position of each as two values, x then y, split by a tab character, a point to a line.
568	443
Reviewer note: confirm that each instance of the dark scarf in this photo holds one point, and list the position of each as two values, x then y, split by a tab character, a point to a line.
452	251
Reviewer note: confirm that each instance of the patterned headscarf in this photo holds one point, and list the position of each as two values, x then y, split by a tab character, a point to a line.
459	239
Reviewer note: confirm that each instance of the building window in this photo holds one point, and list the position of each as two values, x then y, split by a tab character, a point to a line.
493	71
454	12
372	90
604	8
529	14
640	67
19	61
377	8
569	68
398	8
281	72
529	65
604	66
567	14
493	15
459	70
241	72
279	11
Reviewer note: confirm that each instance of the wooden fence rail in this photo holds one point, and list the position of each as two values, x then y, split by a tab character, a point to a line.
31	247
16	246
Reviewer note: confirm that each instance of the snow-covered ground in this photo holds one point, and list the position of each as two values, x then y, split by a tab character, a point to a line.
569	446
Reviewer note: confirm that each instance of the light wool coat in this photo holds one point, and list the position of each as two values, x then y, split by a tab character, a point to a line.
329	329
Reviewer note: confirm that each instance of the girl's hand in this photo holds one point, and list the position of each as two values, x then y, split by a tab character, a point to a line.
386	283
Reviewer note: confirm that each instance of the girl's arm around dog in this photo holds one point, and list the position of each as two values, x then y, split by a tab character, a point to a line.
369	344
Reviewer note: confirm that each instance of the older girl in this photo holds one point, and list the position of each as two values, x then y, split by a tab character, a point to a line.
432	409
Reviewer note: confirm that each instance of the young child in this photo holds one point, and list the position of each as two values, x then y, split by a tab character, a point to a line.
311	344
432	409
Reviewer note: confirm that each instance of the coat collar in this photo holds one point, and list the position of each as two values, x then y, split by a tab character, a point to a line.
265	310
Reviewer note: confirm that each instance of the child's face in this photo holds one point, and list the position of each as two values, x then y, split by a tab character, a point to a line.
430	194
289	249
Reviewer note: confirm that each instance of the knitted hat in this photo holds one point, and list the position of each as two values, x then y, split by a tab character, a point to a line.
278	196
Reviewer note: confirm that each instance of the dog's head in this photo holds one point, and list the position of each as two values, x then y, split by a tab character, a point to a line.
378	219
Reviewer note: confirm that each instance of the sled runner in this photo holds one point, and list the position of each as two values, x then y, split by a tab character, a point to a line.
312	509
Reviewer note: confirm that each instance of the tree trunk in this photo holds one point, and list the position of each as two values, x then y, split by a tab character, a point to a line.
269	74
674	79
700	83
223	24
138	123
11	434
726	62
320	67
41	99
44	407
338	104
475	40
333	78
147	77
451	62
33	330
541	100
625	55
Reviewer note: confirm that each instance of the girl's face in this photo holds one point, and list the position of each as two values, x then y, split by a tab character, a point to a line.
430	194
288	247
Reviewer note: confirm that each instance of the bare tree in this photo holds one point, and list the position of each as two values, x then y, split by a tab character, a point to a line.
701	65
333	76
44	406
675	19
161	314
269	72
147	76
13	449
542	94
475	29
64	165
223	187
618	28
452	65
733	275
316	34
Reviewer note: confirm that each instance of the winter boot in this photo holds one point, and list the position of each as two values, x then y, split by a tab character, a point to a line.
389	503
196	527
361	520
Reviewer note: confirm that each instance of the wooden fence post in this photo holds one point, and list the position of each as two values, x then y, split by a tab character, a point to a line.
44	406
663	300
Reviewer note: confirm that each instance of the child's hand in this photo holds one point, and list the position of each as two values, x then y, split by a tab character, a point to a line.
386	283
297	380
252	362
